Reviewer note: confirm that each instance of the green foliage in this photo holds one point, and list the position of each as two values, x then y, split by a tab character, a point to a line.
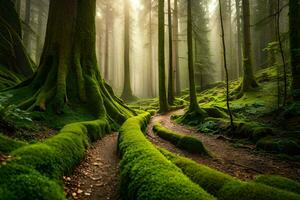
279	182
290	146
52	159
225	187
146	173
7	144
187	143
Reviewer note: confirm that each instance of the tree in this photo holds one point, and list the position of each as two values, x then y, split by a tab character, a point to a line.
163	103
127	91
26	38
15	63
68	74
249	81
225	65
294	18
171	70
175	48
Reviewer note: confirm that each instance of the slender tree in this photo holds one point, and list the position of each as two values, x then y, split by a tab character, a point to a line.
294	18
249	81
175	49
225	65
239	35
171	69
68	74
151	89
163	103
127	91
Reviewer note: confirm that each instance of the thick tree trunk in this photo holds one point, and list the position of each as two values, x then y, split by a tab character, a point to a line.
14	62
68	72
294	16
249	81
127	91
171	70
175	49
163	103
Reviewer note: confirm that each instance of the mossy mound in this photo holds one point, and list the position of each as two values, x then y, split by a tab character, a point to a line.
225	187
184	142
289	146
146	173
7	144
38	167
279	182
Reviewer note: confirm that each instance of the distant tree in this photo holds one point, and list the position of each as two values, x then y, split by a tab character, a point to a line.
175	49
127	94
294	18
171	79
163	103
249	81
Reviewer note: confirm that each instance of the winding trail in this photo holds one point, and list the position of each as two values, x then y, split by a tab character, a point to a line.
97	177
243	163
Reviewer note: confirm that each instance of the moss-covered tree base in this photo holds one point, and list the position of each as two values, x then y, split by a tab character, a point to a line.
192	118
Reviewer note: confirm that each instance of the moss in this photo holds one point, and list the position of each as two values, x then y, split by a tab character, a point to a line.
187	143
279	182
288	146
7	144
146	173
52	159
251	190
209	179
225	187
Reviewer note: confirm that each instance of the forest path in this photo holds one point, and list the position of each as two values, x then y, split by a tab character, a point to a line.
97	177
243	163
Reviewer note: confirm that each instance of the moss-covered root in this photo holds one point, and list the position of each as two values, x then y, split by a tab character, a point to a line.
146	173
38	167
192	118
188	143
8	145
279	182
225	187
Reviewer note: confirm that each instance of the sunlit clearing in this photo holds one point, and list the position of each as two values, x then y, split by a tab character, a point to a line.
136	4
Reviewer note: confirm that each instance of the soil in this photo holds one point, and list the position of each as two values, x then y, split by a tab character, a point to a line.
97	176
242	162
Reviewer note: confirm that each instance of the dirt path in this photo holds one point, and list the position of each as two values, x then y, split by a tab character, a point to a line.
238	162
97	176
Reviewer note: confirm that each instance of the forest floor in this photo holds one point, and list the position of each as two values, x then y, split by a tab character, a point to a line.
97	177
243	162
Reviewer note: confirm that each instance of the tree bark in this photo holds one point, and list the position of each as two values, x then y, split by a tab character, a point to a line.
294	18
106	53
127	91
249	81
171	70
26	37
163	103
68	72
175	49
239	37
151	89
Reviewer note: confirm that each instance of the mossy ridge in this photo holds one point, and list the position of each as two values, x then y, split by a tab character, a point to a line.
184	142
225	187
289	146
279	182
40	166
8	145
146	173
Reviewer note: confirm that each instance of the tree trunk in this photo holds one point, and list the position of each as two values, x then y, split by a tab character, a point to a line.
175	48
106	53
294	17
163	104
14	62
239	36
171	70
194	106
39	32
127	92
151	89
68	74
249	81
26	38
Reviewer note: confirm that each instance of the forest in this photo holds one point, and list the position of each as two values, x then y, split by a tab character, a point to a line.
150	99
